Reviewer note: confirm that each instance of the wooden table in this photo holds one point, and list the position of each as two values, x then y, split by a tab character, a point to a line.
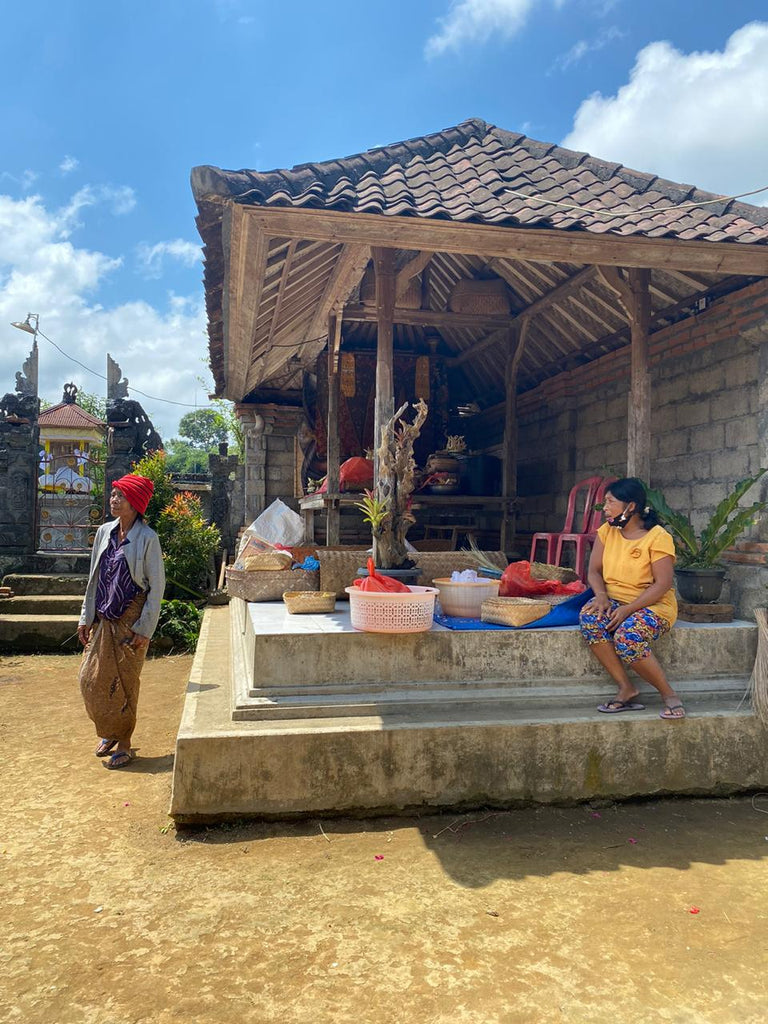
469	504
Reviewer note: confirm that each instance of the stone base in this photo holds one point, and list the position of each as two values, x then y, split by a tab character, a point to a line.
689	612
373	749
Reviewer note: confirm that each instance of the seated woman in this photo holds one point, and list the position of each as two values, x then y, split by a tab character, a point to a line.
630	572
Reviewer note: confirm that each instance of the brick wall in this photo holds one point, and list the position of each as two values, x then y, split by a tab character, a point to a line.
709	424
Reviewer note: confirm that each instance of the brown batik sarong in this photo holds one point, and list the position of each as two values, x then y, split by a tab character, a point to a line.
109	674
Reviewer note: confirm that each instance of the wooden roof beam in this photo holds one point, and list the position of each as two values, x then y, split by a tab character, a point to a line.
430	317
247	250
535	244
347	272
407	273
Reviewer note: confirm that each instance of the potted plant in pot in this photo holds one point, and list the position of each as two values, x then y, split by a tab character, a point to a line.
698	571
388	507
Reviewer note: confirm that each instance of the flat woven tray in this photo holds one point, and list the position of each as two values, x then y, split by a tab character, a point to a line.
306	602
513	611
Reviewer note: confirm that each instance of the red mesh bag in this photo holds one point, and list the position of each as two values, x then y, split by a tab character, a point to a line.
516	581
374	583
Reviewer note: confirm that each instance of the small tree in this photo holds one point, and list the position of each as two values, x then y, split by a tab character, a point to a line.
204	429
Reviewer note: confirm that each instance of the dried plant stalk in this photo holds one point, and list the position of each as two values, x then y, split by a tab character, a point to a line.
758	682
395	485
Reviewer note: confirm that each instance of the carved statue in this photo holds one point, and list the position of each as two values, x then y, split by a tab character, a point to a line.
116	388
126	418
24	405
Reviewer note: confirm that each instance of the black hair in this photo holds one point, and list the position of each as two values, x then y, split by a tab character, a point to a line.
630	489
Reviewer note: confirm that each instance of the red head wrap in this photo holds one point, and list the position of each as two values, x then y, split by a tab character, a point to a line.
137	490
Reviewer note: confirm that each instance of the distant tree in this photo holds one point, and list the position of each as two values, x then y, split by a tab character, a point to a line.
204	429
94	404
182	457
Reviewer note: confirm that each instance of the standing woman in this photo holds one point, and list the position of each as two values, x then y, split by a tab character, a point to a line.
630	572
119	616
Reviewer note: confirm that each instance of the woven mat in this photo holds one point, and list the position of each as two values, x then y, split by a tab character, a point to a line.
339	568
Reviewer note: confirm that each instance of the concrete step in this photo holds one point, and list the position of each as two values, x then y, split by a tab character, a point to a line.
42	604
55	562
561	700
30	633
46	583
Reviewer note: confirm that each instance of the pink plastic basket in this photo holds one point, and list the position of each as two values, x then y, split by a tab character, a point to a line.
392	613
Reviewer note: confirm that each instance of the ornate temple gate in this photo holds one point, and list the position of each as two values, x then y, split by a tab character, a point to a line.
70	501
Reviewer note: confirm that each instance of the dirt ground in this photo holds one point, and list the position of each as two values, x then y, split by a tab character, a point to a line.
644	912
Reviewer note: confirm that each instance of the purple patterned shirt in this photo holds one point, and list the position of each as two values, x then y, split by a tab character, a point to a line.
115	589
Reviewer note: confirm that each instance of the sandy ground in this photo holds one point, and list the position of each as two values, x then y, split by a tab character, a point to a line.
576	914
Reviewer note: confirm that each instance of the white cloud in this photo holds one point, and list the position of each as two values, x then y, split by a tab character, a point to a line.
69	164
44	271
580	49
475	21
152	257
698	118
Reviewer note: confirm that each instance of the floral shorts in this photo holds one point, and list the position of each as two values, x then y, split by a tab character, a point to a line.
633	639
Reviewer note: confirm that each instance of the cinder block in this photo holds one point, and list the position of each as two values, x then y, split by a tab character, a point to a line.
740	432
729	403
690	414
730	465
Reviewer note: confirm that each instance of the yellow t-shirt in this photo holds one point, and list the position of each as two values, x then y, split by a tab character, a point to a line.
627	566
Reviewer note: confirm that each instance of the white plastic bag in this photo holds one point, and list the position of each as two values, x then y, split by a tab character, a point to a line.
279	524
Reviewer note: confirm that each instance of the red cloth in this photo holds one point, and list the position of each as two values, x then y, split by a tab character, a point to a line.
516	581
356	474
137	490
374	583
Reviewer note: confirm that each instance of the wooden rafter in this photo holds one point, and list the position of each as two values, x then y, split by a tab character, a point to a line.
247	258
283	282
407	273
348	270
430	317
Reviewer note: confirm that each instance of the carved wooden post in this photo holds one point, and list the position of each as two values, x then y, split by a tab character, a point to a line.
639	415
515	346
333	531
384	266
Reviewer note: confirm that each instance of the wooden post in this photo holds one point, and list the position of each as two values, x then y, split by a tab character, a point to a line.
515	346
639	413
384	267
332	445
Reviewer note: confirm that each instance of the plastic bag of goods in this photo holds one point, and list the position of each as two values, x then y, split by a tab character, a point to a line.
279	525
516	581
375	583
256	553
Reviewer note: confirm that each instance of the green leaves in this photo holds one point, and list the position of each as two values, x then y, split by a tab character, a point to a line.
728	522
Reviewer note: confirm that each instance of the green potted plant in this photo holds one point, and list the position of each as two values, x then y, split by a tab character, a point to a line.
387	508
698	571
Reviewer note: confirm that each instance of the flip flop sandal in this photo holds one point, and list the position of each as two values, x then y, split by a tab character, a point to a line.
614	707
104	747
672	718
118	760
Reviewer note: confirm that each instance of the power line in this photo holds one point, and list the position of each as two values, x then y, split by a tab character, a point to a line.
152	398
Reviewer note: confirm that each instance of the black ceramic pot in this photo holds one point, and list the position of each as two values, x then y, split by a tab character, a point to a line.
700	586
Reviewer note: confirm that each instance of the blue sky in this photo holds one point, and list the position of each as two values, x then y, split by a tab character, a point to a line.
106	107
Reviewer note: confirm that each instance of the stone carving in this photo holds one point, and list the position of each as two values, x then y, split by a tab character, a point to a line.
116	388
130	429
24	405
70	394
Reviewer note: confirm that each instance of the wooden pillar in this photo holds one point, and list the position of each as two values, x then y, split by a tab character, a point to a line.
639	413
384	267
333	531
515	346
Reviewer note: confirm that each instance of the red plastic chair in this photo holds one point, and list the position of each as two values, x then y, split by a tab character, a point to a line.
585	541
582	492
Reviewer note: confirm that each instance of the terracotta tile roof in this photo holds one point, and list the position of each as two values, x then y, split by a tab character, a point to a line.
68	414
474	172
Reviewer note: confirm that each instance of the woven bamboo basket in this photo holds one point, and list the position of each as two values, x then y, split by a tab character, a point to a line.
544	571
339	568
304	602
266	585
513	611
267	561
480	297
437	564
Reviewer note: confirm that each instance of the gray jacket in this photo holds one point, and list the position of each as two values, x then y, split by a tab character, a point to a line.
145	564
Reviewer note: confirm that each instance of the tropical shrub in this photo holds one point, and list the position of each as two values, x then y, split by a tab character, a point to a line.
179	622
188	542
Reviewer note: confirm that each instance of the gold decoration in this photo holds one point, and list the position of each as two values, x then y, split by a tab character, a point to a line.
348	374
455	444
422	378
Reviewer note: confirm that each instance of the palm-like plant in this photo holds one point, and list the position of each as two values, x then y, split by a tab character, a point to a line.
728	522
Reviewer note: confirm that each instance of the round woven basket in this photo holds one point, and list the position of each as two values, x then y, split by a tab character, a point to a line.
305	602
544	571
513	611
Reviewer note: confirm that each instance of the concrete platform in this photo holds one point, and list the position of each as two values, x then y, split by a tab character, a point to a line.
445	719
